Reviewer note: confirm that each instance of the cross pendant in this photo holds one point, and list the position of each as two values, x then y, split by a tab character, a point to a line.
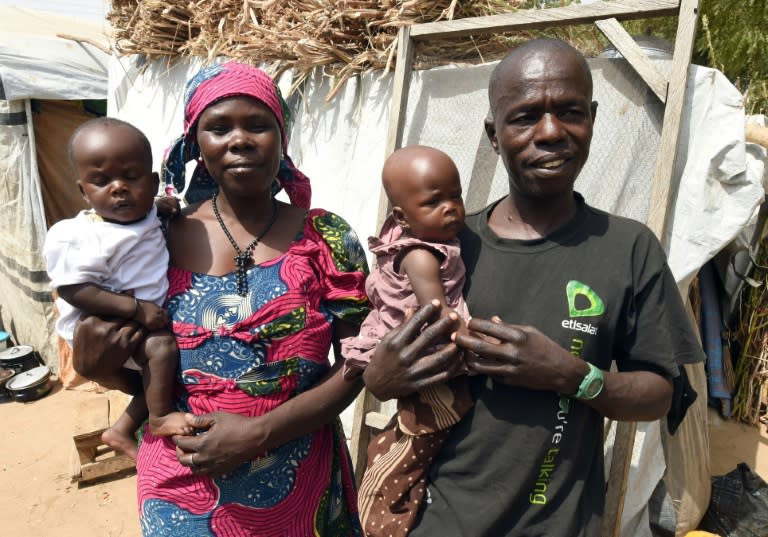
242	259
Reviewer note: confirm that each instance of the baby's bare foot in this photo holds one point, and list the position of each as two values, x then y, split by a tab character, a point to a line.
121	442
170	424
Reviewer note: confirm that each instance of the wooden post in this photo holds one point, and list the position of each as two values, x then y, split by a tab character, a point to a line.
673	112
657	217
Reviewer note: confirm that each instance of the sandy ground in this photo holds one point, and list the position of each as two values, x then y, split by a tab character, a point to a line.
37	496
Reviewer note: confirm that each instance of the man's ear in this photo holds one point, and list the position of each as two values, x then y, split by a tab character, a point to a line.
399	216
490	130
594	110
156	181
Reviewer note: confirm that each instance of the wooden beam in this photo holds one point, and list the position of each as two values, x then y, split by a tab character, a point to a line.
631	51
401	83
661	187
657	216
366	403
756	134
536	19
360	435
616	490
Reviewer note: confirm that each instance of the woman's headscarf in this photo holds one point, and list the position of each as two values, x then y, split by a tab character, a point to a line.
207	87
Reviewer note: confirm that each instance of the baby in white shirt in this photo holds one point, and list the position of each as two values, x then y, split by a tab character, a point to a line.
112	260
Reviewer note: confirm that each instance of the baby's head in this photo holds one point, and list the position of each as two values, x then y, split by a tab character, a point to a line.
423	186
112	161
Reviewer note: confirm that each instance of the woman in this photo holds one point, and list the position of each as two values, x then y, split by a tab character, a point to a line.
259	290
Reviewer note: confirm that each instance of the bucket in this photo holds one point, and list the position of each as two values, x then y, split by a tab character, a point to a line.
19	358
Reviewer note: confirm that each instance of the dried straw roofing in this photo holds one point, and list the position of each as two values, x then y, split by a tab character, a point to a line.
346	37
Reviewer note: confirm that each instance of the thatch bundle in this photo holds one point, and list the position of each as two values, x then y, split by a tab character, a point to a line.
346	37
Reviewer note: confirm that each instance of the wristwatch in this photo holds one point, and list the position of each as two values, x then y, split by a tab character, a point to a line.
591	385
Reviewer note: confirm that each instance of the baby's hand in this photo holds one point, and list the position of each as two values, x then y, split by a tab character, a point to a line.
151	316
168	206
461	329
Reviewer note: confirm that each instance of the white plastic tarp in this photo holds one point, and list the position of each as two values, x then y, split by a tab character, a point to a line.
35	63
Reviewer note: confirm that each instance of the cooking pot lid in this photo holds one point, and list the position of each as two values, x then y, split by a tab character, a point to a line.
16	352
28	378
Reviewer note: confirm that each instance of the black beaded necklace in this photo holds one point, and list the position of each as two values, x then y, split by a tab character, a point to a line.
244	257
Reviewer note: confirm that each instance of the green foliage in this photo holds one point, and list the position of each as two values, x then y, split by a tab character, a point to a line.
732	37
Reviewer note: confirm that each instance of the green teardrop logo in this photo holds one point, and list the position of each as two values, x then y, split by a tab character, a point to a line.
595	306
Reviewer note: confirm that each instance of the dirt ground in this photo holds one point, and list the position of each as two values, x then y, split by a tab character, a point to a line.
37	496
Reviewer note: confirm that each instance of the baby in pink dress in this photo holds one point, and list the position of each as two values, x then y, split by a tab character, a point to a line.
417	260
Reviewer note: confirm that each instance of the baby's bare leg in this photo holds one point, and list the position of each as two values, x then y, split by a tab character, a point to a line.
122	435
160	356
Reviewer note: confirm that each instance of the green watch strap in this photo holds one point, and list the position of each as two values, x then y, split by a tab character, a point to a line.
591	385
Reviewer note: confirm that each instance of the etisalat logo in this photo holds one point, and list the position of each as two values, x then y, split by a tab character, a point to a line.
575	291
594	308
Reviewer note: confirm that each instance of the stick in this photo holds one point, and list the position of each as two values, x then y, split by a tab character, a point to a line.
84	39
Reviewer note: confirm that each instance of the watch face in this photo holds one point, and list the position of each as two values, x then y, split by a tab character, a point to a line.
593	388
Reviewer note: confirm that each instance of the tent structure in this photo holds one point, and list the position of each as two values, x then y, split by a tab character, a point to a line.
51	68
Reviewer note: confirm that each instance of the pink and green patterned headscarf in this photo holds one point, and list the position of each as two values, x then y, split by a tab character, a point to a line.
207	87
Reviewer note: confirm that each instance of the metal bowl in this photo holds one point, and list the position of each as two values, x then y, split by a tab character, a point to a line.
30	385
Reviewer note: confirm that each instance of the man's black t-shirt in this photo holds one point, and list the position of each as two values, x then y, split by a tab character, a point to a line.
530	463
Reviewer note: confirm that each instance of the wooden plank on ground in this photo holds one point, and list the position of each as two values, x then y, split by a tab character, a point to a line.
92	460
92	415
111	466
118	402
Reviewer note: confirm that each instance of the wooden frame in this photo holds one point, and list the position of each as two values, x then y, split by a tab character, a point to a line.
671	92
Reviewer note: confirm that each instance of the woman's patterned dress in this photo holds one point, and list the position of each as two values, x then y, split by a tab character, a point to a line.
247	356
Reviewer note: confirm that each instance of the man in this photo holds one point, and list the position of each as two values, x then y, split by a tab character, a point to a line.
557	290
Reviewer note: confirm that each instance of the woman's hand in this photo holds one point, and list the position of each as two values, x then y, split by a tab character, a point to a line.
400	366
226	441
